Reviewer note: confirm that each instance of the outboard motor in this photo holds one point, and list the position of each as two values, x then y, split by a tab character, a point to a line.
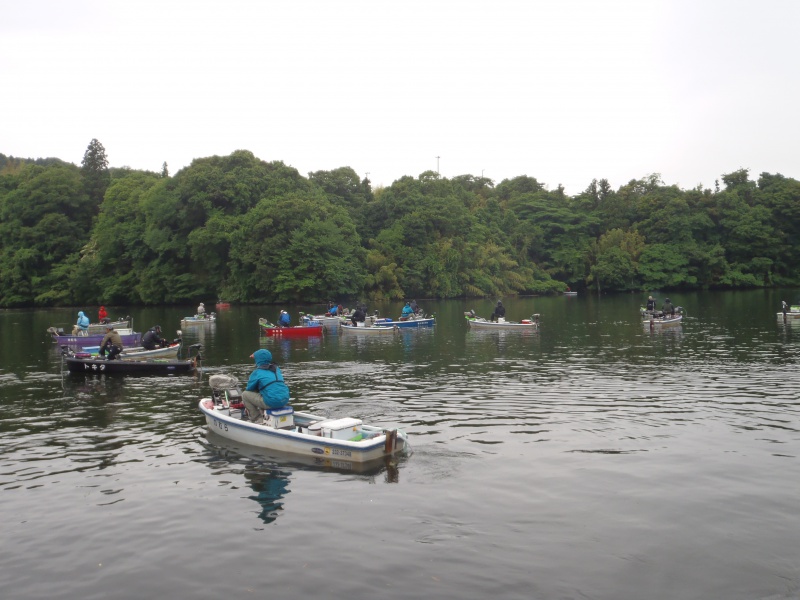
226	394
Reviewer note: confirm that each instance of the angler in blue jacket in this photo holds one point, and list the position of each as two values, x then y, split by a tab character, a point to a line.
83	324
265	388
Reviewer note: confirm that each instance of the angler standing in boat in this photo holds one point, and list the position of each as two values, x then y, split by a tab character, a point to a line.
284	320
651	304
266	388
112	343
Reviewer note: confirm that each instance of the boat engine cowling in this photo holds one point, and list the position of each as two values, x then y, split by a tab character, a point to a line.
226	392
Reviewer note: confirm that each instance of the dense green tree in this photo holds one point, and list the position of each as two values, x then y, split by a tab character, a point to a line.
96	176
45	219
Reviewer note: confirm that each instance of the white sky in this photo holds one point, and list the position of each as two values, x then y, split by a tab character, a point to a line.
561	90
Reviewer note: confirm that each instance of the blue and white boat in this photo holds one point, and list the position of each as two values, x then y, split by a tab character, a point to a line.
410	323
304	434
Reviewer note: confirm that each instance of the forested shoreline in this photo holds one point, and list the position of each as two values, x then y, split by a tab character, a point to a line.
249	231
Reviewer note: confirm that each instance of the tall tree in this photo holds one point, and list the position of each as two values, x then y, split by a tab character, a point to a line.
94	167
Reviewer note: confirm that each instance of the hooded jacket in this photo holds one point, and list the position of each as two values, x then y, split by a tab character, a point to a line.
83	321
267	379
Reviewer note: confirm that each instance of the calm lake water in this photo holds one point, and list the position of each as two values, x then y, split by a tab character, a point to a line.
592	459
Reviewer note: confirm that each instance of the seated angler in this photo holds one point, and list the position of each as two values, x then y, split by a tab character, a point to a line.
152	339
358	316
265	388
112	343
284	320
499	311
407	312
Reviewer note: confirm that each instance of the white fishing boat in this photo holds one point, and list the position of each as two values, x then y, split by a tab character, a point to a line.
139	352
304	434
476	322
101	327
657	318
205	319
789	312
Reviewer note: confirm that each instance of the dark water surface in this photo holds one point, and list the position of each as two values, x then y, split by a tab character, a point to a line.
593	459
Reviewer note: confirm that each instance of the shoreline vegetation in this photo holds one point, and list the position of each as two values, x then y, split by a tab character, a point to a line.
256	232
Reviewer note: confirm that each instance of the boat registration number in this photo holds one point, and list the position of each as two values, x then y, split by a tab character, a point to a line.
221	424
338	452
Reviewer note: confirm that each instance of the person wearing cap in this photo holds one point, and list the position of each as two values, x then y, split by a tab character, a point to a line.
112	343
201	310
499	311
667	308
265	387
152	338
651	303
284	320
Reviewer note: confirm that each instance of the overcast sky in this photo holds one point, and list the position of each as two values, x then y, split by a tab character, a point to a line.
565	91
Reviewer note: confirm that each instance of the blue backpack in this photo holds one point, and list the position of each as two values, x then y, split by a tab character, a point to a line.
277	392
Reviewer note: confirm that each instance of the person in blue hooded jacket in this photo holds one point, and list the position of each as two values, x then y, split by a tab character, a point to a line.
406	312
82	324
265	387
284	320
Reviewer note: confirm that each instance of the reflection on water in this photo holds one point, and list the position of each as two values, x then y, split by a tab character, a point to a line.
269	472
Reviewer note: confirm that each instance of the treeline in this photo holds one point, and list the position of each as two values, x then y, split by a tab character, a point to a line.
249	231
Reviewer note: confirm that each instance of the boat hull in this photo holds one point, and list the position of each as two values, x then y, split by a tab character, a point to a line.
409	324
152	366
297	331
789	315
371	330
139	353
101	327
77	341
504	326
661	321
292	442
188	321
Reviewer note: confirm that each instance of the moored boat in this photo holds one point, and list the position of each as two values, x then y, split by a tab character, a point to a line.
83	362
300	433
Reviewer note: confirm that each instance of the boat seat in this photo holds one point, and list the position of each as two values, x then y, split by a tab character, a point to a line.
279	418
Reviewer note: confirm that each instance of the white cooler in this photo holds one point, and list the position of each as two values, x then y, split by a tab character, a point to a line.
341	429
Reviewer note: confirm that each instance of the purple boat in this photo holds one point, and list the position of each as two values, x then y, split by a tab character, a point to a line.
129	338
